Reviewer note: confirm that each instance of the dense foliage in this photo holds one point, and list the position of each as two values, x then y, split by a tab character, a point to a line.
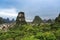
32	32
44	31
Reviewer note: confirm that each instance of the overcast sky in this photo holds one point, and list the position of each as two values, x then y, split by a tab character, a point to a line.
44	8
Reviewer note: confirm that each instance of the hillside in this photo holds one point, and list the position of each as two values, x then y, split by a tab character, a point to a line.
24	31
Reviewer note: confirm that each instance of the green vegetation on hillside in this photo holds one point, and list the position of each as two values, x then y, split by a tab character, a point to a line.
37	20
29	32
44	31
1	20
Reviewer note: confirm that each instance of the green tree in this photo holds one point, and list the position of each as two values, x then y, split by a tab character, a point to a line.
57	20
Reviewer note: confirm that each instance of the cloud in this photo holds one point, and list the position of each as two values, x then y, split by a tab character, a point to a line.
11	13
43	8
29	20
